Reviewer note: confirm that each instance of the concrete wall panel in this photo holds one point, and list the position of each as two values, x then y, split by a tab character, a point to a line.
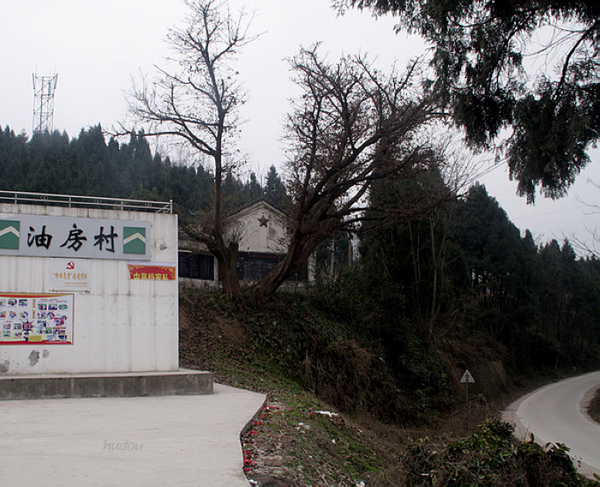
120	324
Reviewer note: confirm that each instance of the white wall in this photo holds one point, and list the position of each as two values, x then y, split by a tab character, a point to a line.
269	237
119	325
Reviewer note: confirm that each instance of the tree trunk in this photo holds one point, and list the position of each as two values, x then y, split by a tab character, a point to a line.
298	253
229	278
226	258
226	254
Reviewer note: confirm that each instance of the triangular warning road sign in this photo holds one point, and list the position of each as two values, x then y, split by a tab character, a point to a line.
467	378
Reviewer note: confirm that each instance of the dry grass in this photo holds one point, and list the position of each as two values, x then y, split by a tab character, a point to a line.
594	407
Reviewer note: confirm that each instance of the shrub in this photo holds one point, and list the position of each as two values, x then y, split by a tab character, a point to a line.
490	456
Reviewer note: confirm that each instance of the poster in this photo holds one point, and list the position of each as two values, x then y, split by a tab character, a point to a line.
69	275
36	319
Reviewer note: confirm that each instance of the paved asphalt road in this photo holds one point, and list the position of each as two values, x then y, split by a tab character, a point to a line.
556	414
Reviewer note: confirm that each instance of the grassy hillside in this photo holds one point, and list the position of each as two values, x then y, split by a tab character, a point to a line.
338	414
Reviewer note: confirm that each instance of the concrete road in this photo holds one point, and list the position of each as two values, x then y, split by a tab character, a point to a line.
128	441
556	414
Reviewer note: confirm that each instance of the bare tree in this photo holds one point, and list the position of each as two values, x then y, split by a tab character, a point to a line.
351	127
197	102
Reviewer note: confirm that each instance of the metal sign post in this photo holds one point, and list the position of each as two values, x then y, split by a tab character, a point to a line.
467	379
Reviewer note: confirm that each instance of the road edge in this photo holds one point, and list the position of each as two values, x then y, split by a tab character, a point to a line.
522	433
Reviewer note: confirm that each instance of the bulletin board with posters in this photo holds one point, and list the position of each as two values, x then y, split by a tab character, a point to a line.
27	318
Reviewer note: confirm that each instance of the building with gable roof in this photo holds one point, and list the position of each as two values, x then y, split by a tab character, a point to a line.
261	231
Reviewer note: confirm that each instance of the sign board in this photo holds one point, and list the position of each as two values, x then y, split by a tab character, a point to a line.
467	378
69	275
52	236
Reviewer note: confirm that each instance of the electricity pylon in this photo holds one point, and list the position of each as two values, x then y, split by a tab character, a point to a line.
43	104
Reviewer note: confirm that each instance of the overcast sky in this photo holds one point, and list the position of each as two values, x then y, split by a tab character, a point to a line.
97	46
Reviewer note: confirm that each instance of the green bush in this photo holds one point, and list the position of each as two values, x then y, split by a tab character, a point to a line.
490	456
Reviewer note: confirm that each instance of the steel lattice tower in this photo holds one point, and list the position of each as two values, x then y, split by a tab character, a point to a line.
43	104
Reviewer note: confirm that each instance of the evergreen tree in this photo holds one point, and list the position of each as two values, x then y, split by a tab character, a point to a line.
478	49
14	155
501	268
88	166
275	192
253	189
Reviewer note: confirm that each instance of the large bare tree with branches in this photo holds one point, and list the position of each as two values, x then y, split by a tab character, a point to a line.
197	101
351	127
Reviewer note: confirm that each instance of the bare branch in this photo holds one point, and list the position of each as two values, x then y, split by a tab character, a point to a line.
352	127
196	99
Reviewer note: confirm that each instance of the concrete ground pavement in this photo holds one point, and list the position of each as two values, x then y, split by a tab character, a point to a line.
126	441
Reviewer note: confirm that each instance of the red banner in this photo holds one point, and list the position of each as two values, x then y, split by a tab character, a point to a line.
152	272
